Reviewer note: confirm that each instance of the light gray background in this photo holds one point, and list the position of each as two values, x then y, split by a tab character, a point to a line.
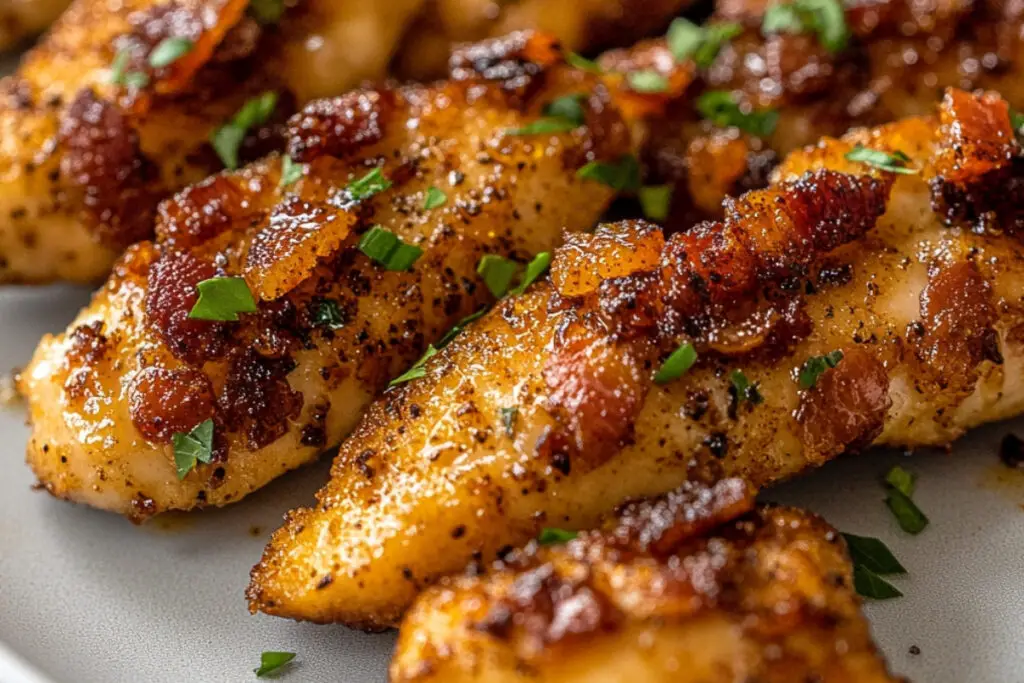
86	597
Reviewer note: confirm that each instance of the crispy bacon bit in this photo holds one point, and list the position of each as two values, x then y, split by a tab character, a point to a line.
846	408
958	317
202	211
514	60
340	126
660	525
257	401
715	163
102	157
170	295
769	235
287	249
597	388
613	250
163	401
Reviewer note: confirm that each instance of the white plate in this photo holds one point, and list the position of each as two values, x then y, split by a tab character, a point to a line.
85	597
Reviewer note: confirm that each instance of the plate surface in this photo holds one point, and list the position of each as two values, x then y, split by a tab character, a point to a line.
85	597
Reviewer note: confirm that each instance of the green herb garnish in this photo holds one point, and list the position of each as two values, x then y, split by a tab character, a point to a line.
291	171
560	115
782	19
868	584
580	62
685	40
552	536
543	127
119	75
534	269
872	553
272	661
418	368
814	366
647	82
620	176
901	480
227	139
894	163
267	11
168	51
1016	121
655	201
508	418
719	107
676	365
328	314
193	447
825	18
435	198
744	389
460	326
908	515
370	184
497	273
222	298
385	247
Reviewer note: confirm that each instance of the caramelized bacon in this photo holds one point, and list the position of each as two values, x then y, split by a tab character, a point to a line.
514	61
163	401
340	126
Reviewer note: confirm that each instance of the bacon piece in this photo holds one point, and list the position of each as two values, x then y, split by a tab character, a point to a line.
163	401
612	251
340	126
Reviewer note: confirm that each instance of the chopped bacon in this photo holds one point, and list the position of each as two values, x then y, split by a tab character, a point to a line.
163	401
340	126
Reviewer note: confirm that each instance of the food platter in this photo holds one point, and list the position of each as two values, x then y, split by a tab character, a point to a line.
85	597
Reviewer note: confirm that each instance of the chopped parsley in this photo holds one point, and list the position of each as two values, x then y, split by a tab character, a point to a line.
655	201
900	486
497	273
744	389
435	198
871	561
552	536
508	419
620	176
271	662
580	62
385	247
370	184
676	365
647	81
168	51
825	18
120	76
418	369
459	326
814	366
896	162
291	171
328	314
193	447
1016	121
227	139
267	11
685	40
560	115
721	108
222	298
534	269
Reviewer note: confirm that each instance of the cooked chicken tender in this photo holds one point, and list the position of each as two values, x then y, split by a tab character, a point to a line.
21	19
833	310
440	168
682	589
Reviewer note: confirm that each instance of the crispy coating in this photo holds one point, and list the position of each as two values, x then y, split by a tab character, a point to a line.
691	587
288	381
546	412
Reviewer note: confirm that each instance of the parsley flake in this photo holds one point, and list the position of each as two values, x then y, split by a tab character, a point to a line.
1016	121
552	536
194	447
655	201
291	171
370	184
744	389
168	51
227	139
459	326
418	368
647	82
270	662
328	314
620	176
685	40
896	162
721	108
868	584
534	269
901	480
222	298
385	247
434	199
560	115
497	273
677	364
824	18
120	76
814	366
543	126
873	554
580	62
